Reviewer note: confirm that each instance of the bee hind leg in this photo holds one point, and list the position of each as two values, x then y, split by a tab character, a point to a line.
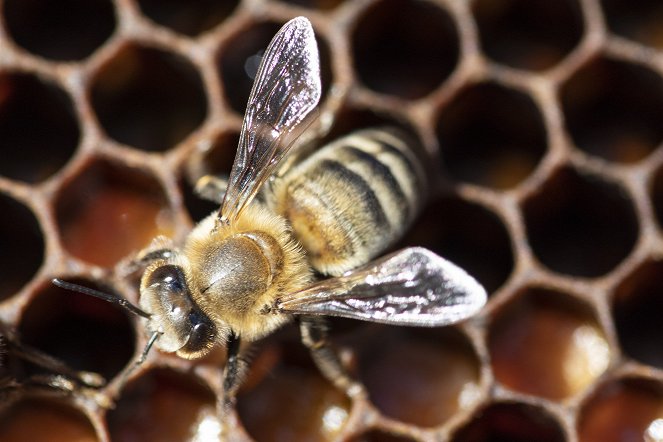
314	337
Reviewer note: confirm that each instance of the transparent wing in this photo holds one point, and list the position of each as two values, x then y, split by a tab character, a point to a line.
287	87
411	287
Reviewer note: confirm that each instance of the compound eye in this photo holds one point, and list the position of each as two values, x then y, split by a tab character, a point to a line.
169	286
169	277
186	329
202	336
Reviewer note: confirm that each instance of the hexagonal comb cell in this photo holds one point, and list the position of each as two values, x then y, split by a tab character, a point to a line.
148	98
59	29
286	398
491	135
188	17
404	48
57	422
240	56
580	225
511	422
528	34
22	245
108	212
640	21
613	109
467	74
620	410
636	307
84	332
37	124
547	344
163	405
469	236
419	376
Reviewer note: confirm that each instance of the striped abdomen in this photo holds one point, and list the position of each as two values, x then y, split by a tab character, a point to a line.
352	199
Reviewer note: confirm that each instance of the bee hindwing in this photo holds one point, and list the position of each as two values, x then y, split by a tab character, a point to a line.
412	287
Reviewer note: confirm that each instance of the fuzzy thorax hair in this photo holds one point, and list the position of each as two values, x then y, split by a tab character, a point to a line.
290	271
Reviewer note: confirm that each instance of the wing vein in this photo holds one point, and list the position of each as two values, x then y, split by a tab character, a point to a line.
287	88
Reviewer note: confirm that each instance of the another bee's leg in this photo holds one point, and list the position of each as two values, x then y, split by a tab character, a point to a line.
234	370
36	357
55	382
8	387
314	336
63	384
66	380
211	188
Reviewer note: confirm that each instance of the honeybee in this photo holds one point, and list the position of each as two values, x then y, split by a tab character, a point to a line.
249	268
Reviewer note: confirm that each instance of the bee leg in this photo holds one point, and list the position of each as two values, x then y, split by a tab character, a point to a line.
34	356
211	188
141	359
160	248
314	336
53	382
8	388
233	372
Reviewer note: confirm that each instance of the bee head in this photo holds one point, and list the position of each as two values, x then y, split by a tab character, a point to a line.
182	326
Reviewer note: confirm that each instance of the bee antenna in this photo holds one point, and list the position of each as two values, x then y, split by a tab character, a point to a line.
101	295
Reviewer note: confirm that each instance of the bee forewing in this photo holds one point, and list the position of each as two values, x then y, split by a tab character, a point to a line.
411	287
287	87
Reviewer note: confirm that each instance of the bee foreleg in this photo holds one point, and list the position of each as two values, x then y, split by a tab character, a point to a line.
140	361
314	336
161	248
211	188
233	372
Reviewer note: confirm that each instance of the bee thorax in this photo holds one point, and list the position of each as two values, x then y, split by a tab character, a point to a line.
240	268
237	270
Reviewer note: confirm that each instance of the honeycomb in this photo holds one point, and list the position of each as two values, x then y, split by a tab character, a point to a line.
541	122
